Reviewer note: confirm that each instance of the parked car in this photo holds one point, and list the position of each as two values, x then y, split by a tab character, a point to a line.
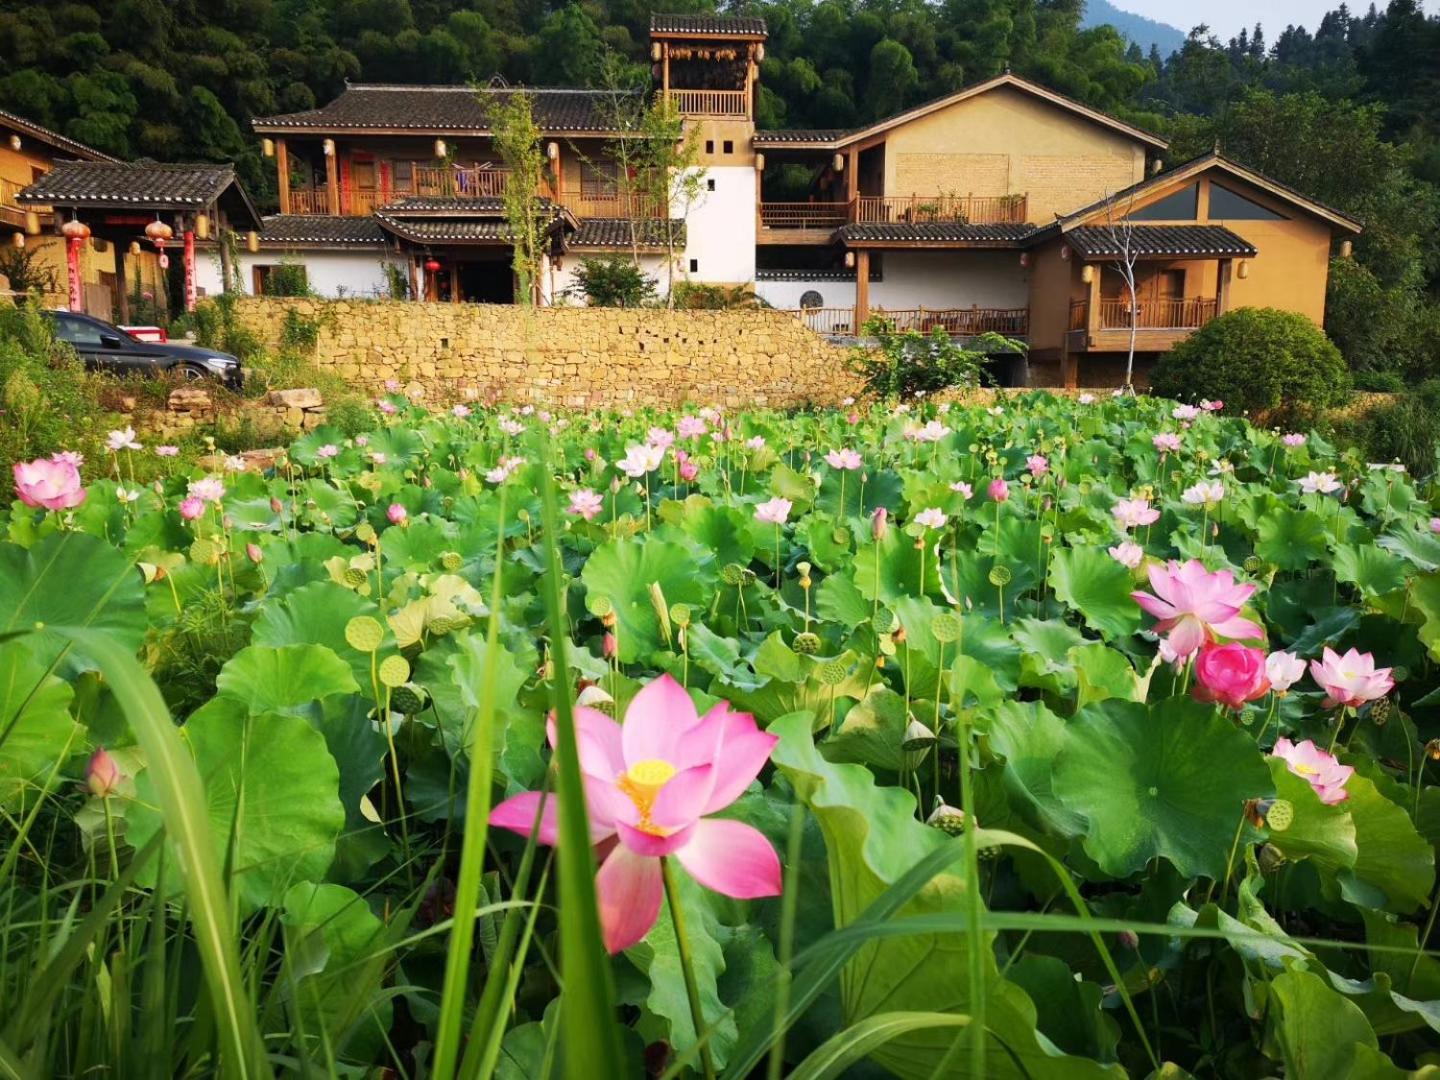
104	347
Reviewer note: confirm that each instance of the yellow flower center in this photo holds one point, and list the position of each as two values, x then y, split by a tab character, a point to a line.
1306	770
641	783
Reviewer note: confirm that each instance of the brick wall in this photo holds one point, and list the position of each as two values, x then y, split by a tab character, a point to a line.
564	356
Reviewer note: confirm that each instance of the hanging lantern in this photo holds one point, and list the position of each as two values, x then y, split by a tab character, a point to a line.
75	230
252	241
1087	274
432	265
267	147
760	53
654	50
164	261
202	226
759	162
1243	270
157	232
552	150
15	142
328	147
1347	248
849	260
838	163
17	240
440	148
1025	260
1064	251
134	247
32	223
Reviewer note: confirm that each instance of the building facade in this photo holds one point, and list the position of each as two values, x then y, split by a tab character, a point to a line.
1004	207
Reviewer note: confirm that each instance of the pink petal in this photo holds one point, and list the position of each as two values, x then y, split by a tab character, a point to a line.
656	720
646	843
683	798
598	739
629	890
731	858
738	762
1188	636
1153	606
518	815
1238	628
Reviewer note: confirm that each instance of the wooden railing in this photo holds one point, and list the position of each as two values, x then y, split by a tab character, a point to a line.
1180	313
595	204
1079	314
935	209
711	102
309	202
440	181
804	215
959	322
827	320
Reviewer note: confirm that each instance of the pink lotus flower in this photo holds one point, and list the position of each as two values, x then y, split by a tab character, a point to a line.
961	488
1128	554
1435	525
931	518
1038	464
121	439
329	450
1167	442
755	442
1086	399
254	554
998	490
585	503
690	427
1316	767
192	507
511	427
207	489
51	485
590	454
689	470
396	514
102	774
1212	406
1195	606
1205	493
649	785
1230	674
1284	670
388	408
773	512
879	523
1293	439
844	458
852	419
660	437
1131	513
1185	412
167	451
1319	482
460	412
1350	680
68	457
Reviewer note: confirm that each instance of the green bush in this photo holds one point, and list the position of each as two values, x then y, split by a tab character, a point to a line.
1258	360
350	415
613	281
907	362
1406	430
1379	382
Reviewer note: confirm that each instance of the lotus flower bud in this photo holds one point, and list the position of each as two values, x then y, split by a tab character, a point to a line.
609	648
1128	939
878	523
276	505
253	553
102	775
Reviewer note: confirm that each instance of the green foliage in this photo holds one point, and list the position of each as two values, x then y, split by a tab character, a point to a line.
699	296
1406	430
517	141
614	281
1262	361
907	362
288	279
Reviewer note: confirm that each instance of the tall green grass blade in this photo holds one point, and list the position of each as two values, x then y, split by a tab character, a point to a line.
845	1048
182	804
591	1046
472	847
11	1067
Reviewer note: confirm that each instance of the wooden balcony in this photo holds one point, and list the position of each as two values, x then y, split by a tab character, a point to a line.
1159	323
308	202
11	212
719	103
968	322
612	205
441	182
942	209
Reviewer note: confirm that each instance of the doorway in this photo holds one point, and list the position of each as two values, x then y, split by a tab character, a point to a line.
489	282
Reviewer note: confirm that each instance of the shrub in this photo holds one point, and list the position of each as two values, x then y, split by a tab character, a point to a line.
907	362
216	327
350	415
288	279
700	297
1378	382
1407	430
613	281
1257	360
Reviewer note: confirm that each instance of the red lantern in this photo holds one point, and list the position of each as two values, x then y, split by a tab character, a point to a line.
432	265
158	232
75	230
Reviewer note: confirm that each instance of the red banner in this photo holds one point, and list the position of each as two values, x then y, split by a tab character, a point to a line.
189	270
72	270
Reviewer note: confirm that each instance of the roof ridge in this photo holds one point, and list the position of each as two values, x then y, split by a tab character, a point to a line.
456	88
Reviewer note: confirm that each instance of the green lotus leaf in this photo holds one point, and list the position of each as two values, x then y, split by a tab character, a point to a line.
1320	1033
623	571
277	679
38	731
1373	570
317	614
1291	539
1098	587
1390	854
1169	780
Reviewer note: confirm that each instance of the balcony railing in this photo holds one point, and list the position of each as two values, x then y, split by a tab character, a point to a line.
942	209
957	322
613	205
310	202
1179	313
827	320
437	181
711	102
804	215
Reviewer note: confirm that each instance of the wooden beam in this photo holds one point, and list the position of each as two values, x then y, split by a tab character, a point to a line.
282	167
862	288
332	181
1222	286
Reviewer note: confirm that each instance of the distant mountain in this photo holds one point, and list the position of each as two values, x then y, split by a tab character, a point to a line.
1137	28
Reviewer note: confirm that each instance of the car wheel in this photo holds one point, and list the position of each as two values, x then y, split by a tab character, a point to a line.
192	373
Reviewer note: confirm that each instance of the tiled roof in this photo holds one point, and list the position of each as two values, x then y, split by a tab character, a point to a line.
800	135
321	229
486	205
952	232
1099	242
612	233
710	25
449	230
54	138
146	185
446	109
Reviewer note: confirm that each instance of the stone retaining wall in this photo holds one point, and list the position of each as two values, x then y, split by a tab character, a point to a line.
564	356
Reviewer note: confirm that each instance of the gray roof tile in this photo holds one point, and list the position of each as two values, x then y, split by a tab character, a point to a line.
147	185
613	233
709	25
460	109
953	232
1159	241
321	229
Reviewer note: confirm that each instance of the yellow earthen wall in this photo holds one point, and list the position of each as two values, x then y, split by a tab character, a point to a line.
574	357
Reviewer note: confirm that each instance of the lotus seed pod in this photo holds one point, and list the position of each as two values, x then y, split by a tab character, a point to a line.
1000	576
748	577
884	620
409	699
887	645
451	561
364	634
599	606
803	569
365	533
732	573
917	736
680	615
1432	749
806	644
833	672
1280	816
354	577
1270	858
1253	564
947	818
946	627
1380	711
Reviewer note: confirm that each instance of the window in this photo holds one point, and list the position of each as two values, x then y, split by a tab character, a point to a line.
710	184
295	274
1231	205
1181	205
728	146
76	331
694	266
709	146
403	176
598	180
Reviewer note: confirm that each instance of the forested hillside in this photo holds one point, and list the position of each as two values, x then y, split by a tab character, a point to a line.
1348	113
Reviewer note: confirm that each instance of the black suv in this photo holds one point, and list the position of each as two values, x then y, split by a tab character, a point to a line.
108	348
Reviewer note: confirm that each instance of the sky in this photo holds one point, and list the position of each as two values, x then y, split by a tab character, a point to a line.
1226	17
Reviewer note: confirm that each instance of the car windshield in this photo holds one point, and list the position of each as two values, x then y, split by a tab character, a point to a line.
84	331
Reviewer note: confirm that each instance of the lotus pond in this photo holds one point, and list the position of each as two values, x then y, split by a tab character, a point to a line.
1057	738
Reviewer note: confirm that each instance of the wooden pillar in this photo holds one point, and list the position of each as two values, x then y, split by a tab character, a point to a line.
416	277
1222	286
282	180
1069	367
454	282
332	182
862	288
665	69
1092	307
122	288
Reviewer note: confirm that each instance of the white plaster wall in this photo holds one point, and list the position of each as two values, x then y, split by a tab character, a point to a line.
330	273
950	279
786	294
555	286
720	227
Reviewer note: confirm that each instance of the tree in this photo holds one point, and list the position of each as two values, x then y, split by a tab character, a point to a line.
517	141
666	175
